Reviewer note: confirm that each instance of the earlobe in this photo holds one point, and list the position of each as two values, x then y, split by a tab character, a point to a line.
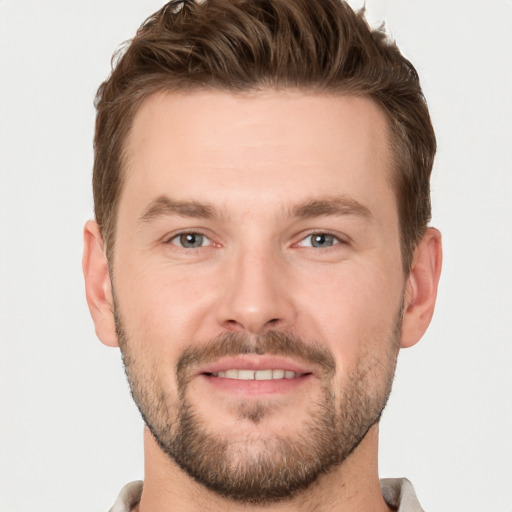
98	287
421	287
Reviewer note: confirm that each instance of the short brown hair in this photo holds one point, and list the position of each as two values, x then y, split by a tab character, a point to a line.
246	45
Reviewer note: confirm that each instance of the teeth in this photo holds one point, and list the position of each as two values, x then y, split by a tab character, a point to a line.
245	374
257	374
263	375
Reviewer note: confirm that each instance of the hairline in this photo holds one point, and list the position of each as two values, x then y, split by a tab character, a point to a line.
393	141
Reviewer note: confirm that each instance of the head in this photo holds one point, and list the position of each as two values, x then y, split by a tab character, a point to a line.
261	189
247	46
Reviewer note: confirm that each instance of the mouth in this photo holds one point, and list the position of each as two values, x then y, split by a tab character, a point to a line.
266	374
252	375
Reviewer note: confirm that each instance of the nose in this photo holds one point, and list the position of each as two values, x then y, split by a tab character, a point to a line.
256	294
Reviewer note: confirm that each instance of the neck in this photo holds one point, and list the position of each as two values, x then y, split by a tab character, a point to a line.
352	486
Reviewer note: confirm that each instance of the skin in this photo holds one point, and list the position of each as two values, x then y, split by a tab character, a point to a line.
255	159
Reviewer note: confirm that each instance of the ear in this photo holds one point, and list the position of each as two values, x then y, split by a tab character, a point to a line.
98	289
421	287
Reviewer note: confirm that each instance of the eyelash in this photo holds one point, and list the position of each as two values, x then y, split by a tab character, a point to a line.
337	240
185	234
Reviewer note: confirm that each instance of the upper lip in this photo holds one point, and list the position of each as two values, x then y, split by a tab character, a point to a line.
254	362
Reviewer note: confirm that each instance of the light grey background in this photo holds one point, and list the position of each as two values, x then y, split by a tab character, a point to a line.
69	434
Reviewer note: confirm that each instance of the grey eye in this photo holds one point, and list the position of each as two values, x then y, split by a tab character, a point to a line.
322	240
190	240
319	240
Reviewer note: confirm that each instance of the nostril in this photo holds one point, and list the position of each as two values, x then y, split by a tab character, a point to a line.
233	325
252	324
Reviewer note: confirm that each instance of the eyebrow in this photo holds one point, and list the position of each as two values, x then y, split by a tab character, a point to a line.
329	206
164	206
338	205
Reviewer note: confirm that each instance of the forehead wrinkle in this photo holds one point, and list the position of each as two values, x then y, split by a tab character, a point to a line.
165	206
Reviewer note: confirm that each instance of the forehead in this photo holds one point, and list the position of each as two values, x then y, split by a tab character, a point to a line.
266	145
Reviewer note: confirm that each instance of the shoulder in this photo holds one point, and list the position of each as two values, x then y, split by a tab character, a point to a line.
128	497
400	495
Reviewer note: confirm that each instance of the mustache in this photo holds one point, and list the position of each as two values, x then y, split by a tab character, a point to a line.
275	343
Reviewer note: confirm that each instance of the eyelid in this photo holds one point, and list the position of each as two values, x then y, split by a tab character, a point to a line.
341	239
168	238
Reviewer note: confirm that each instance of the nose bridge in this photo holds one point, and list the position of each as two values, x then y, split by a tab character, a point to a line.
255	298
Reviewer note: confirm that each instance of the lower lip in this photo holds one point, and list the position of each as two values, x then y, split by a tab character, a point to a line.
256	387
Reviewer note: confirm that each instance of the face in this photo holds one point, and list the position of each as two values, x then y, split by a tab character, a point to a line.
258	283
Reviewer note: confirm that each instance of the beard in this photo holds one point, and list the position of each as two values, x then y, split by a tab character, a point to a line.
254	468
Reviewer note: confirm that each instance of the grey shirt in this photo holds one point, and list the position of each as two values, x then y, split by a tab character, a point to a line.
397	492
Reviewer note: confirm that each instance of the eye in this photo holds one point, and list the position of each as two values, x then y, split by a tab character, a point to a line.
190	240
319	240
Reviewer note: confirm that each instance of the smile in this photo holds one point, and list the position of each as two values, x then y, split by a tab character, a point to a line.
256	374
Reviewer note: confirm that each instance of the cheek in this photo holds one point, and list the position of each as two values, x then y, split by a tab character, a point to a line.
354	314
162	305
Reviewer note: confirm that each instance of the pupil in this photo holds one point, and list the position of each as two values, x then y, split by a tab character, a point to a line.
321	240
191	240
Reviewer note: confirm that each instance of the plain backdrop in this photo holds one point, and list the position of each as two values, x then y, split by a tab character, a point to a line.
70	436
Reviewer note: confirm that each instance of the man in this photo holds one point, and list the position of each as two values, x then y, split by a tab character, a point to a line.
261	252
